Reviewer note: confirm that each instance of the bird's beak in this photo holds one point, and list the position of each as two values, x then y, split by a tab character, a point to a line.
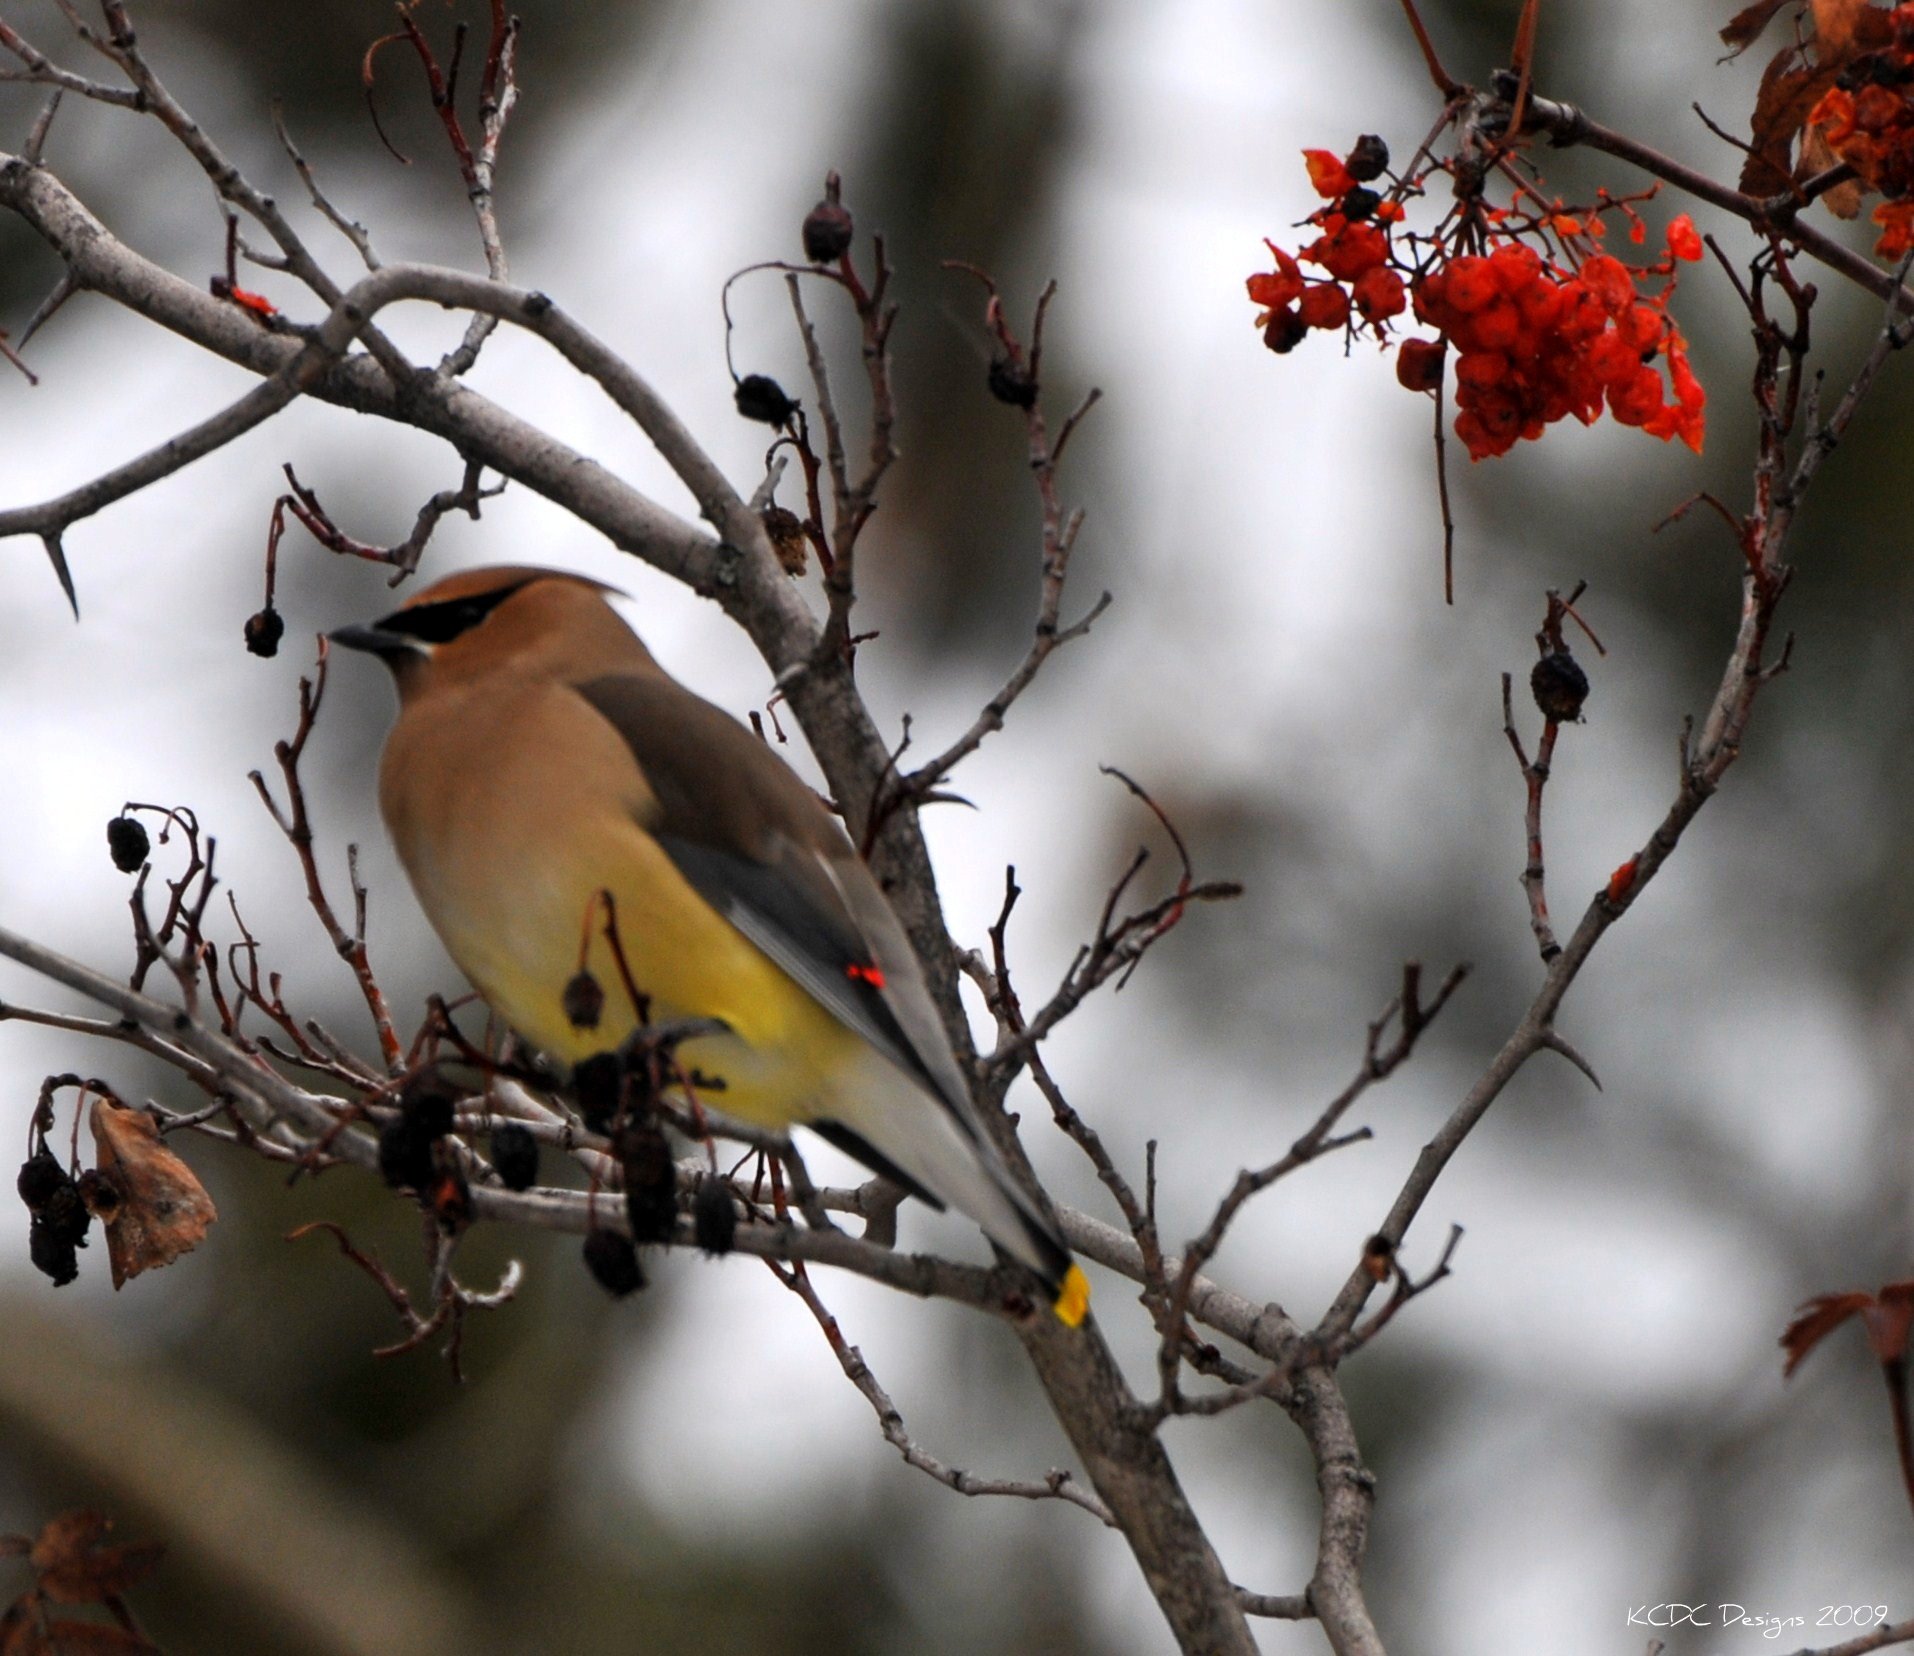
376	641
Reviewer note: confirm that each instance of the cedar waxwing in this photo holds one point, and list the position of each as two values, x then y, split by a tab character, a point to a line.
542	759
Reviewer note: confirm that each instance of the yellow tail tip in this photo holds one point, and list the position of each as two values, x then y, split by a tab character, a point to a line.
1073	1298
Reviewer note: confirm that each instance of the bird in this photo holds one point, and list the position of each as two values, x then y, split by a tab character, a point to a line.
557	799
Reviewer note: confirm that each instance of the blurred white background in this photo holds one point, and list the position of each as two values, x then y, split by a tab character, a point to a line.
1589	1416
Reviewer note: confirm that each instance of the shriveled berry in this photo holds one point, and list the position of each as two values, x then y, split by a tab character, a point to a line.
264	629
1379	294
405	1155
127	841
651	1181
1419	364
1285	331
514	1155
1010	382
40	1176
51	1255
714	1217
427	1100
598	1084
1324	305
100	1195
614	1262
65	1216
828	229
1559	686
583	1001
760	397
1359	204
1369	160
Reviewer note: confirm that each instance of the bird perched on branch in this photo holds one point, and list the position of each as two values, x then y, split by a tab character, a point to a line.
557	799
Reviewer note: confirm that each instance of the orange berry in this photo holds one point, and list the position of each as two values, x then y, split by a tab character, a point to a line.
1351	251
1612	359
1540	304
1379	293
1515	268
1609	281
1643	326
1684	240
1636	400
1877	109
1470	286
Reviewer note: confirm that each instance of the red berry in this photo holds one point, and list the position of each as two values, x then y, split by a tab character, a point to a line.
1419	364
1324	305
1380	294
1497	325
1471	285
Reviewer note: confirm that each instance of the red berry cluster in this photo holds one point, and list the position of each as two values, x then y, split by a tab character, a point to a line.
1353	249
1535	343
1536	338
1868	121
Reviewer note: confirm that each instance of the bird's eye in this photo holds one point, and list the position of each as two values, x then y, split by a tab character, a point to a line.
441	622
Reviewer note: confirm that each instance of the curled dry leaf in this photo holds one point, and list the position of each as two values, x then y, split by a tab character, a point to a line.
73	1566
155	1209
1817	156
1741	31
1887	1316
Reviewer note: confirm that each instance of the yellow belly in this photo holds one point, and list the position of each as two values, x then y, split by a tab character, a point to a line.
685	960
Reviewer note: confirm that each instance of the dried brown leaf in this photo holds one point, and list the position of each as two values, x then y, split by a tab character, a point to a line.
1815	1320
1817	155
1781	109
20	1624
163	1210
74	1568
1834	25
1744	28
1889	1321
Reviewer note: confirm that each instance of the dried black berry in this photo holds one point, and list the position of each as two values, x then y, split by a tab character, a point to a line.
427	1101
1286	330
828	229
51	1255
264	629
1010	382
1359	204
64	1216
651	1181
786	530
614	1262
760	397
1369	160
514	1156
583	1001
40	1176
1559	686
598	1084
714	1217
126	839
99	1195
405	1155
